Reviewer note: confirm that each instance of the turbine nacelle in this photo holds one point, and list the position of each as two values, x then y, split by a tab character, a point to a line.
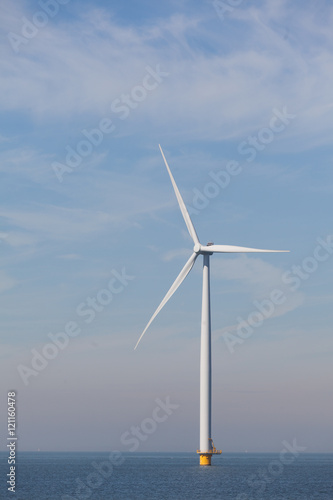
203	249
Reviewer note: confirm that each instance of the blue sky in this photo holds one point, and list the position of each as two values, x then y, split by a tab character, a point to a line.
88	91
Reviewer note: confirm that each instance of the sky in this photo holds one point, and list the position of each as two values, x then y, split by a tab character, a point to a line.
239	95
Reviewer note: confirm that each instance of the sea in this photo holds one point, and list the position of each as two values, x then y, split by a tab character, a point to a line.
167	476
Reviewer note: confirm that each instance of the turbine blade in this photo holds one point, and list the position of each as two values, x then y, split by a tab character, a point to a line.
235	249
178	281
181	203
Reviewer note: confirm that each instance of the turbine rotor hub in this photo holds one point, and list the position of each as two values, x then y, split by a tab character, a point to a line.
197	248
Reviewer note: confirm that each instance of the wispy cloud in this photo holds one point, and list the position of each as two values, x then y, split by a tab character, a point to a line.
176	254
282	74
58	222
6	282
16	238
70	256
250	271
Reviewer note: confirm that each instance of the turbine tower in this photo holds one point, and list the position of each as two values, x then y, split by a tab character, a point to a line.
207	448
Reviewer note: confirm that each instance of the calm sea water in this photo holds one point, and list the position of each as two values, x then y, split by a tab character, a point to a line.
166	476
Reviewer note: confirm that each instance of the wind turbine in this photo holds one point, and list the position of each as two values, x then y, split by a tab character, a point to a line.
207	448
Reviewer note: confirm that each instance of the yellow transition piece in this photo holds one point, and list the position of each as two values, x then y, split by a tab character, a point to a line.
205	459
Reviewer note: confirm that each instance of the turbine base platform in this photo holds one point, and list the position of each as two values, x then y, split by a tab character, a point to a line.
206	456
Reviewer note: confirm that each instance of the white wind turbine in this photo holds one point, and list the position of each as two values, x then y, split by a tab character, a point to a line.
207	448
